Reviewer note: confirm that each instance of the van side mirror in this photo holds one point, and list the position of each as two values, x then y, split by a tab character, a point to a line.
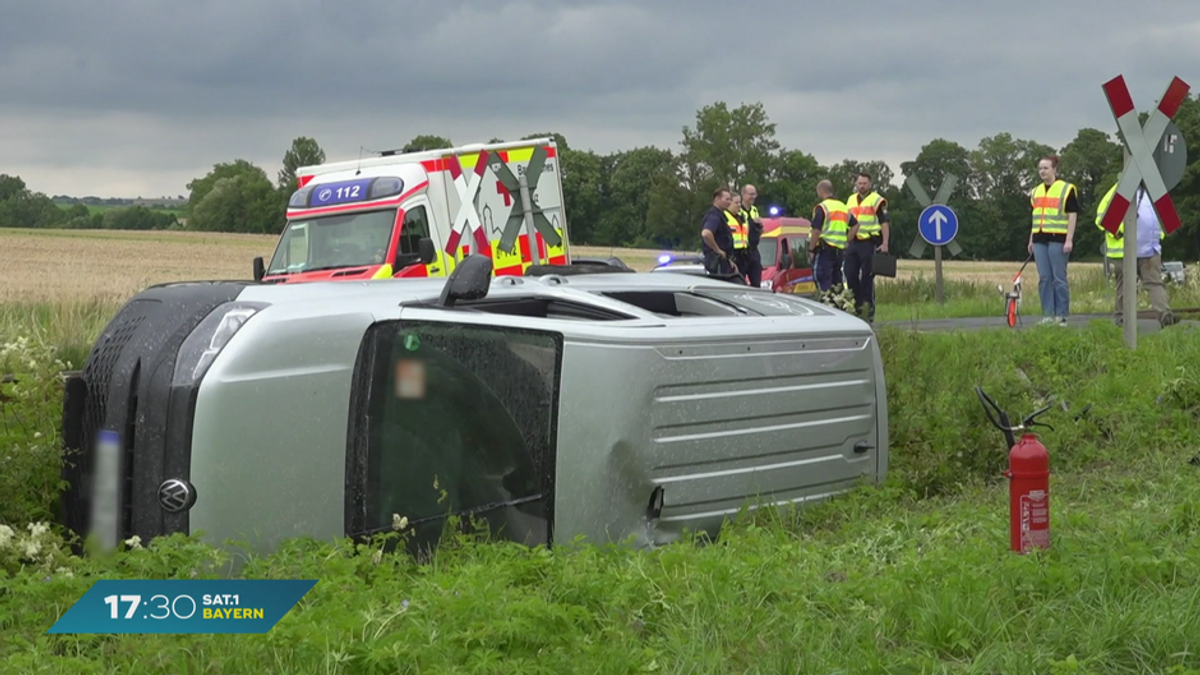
259	269
785	263
469	280
426	250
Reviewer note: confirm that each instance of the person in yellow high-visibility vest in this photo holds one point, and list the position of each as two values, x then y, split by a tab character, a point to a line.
830	224
1150	234
741	235
754	230
871	233
1055	205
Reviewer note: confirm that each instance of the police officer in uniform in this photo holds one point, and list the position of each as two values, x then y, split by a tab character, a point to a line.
741	235
831	222
869	208
754	267
717	236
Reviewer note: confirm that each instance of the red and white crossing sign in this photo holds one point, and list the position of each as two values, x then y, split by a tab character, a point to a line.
1140	142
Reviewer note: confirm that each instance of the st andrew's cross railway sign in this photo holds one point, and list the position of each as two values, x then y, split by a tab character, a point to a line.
523	188
1140	141
938	224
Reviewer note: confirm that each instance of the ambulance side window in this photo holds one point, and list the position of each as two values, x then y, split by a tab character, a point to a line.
416	228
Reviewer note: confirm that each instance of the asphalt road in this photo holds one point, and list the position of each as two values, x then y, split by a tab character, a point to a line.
1026	323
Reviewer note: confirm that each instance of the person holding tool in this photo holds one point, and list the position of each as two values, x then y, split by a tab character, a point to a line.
1055	205
869	208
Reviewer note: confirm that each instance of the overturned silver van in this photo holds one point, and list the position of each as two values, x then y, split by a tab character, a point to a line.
614	406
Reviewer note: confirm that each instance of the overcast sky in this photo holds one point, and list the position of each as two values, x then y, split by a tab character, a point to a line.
127	98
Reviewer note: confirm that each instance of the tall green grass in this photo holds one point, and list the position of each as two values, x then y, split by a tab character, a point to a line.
69	327
912	576
1091	293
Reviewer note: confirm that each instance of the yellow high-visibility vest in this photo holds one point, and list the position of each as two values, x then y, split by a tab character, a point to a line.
1114	247
865	211
741	234
1049	207
837	222
752	214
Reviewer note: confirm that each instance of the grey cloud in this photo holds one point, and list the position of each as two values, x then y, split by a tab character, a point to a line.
163	90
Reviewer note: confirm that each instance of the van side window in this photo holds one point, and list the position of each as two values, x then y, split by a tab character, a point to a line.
454	419
416	227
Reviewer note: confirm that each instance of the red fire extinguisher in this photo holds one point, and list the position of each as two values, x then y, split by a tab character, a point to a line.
1029	479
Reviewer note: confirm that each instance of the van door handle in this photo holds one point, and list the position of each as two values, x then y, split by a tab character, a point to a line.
862	446
435	269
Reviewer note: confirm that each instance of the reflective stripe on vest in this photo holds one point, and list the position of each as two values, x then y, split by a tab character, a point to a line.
1049	207
1115	247
837	223
866	214
739	231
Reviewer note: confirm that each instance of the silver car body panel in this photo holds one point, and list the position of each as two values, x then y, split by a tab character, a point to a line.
715	410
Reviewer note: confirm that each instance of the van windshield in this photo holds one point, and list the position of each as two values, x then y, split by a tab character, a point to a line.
328	242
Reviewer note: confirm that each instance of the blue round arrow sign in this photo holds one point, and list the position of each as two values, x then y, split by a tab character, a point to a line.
938	224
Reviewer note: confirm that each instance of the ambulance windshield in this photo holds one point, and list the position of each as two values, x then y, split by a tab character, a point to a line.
334	241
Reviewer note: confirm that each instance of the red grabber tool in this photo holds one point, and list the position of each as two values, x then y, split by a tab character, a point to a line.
1029	479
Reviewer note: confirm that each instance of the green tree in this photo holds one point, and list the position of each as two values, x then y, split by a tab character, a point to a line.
305	151
423	142
235	197
631	176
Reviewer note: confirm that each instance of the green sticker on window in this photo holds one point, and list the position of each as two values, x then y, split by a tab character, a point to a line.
412	342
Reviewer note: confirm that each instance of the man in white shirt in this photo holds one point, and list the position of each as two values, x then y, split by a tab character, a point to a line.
1149	253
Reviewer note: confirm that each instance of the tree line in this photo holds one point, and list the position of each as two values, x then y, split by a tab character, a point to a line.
655	197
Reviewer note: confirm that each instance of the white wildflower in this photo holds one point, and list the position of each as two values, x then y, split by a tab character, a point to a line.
134	542
65	572
377	556
32	549
38	529
6	535
399	522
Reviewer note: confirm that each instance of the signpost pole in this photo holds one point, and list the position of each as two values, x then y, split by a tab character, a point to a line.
1129	270
937	274
1143	173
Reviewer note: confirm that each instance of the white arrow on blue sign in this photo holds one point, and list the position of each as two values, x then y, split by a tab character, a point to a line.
938	224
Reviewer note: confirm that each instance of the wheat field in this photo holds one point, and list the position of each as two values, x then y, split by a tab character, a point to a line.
55	265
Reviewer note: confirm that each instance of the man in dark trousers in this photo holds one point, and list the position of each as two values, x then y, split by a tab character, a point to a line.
754	266
831	223
717	238
868	235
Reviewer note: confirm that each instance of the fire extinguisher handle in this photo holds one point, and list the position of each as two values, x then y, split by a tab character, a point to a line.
1030	422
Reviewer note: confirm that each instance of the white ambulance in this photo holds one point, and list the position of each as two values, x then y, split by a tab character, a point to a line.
418	214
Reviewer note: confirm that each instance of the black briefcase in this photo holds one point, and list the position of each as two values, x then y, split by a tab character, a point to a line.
883	265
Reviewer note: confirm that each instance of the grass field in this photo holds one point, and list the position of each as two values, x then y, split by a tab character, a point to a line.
915	576
72	281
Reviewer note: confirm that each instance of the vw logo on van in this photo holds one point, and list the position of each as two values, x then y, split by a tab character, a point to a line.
176	495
